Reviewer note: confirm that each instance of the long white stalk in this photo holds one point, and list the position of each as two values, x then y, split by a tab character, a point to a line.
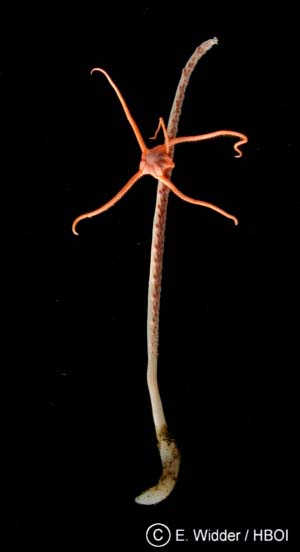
169	452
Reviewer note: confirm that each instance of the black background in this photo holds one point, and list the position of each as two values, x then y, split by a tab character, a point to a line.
81	438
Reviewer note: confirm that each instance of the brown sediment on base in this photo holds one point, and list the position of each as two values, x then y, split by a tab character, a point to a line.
170	459
165	438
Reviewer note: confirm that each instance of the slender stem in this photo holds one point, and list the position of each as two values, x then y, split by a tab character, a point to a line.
169	452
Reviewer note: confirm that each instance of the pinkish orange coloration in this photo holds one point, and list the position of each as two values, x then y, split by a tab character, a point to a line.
158	162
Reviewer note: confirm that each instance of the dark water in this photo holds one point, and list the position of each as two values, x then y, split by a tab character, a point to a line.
81	442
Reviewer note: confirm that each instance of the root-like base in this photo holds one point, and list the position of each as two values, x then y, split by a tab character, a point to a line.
170	459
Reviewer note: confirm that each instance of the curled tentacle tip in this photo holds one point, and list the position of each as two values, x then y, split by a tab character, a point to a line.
97	70
74	229
94	70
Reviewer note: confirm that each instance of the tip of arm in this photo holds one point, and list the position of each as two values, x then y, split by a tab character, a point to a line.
74	228
97	69
243	140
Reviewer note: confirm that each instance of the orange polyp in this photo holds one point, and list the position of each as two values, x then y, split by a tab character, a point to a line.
156	161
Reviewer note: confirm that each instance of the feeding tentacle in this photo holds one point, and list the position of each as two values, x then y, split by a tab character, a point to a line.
188	199
130	119
243	139
109	203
